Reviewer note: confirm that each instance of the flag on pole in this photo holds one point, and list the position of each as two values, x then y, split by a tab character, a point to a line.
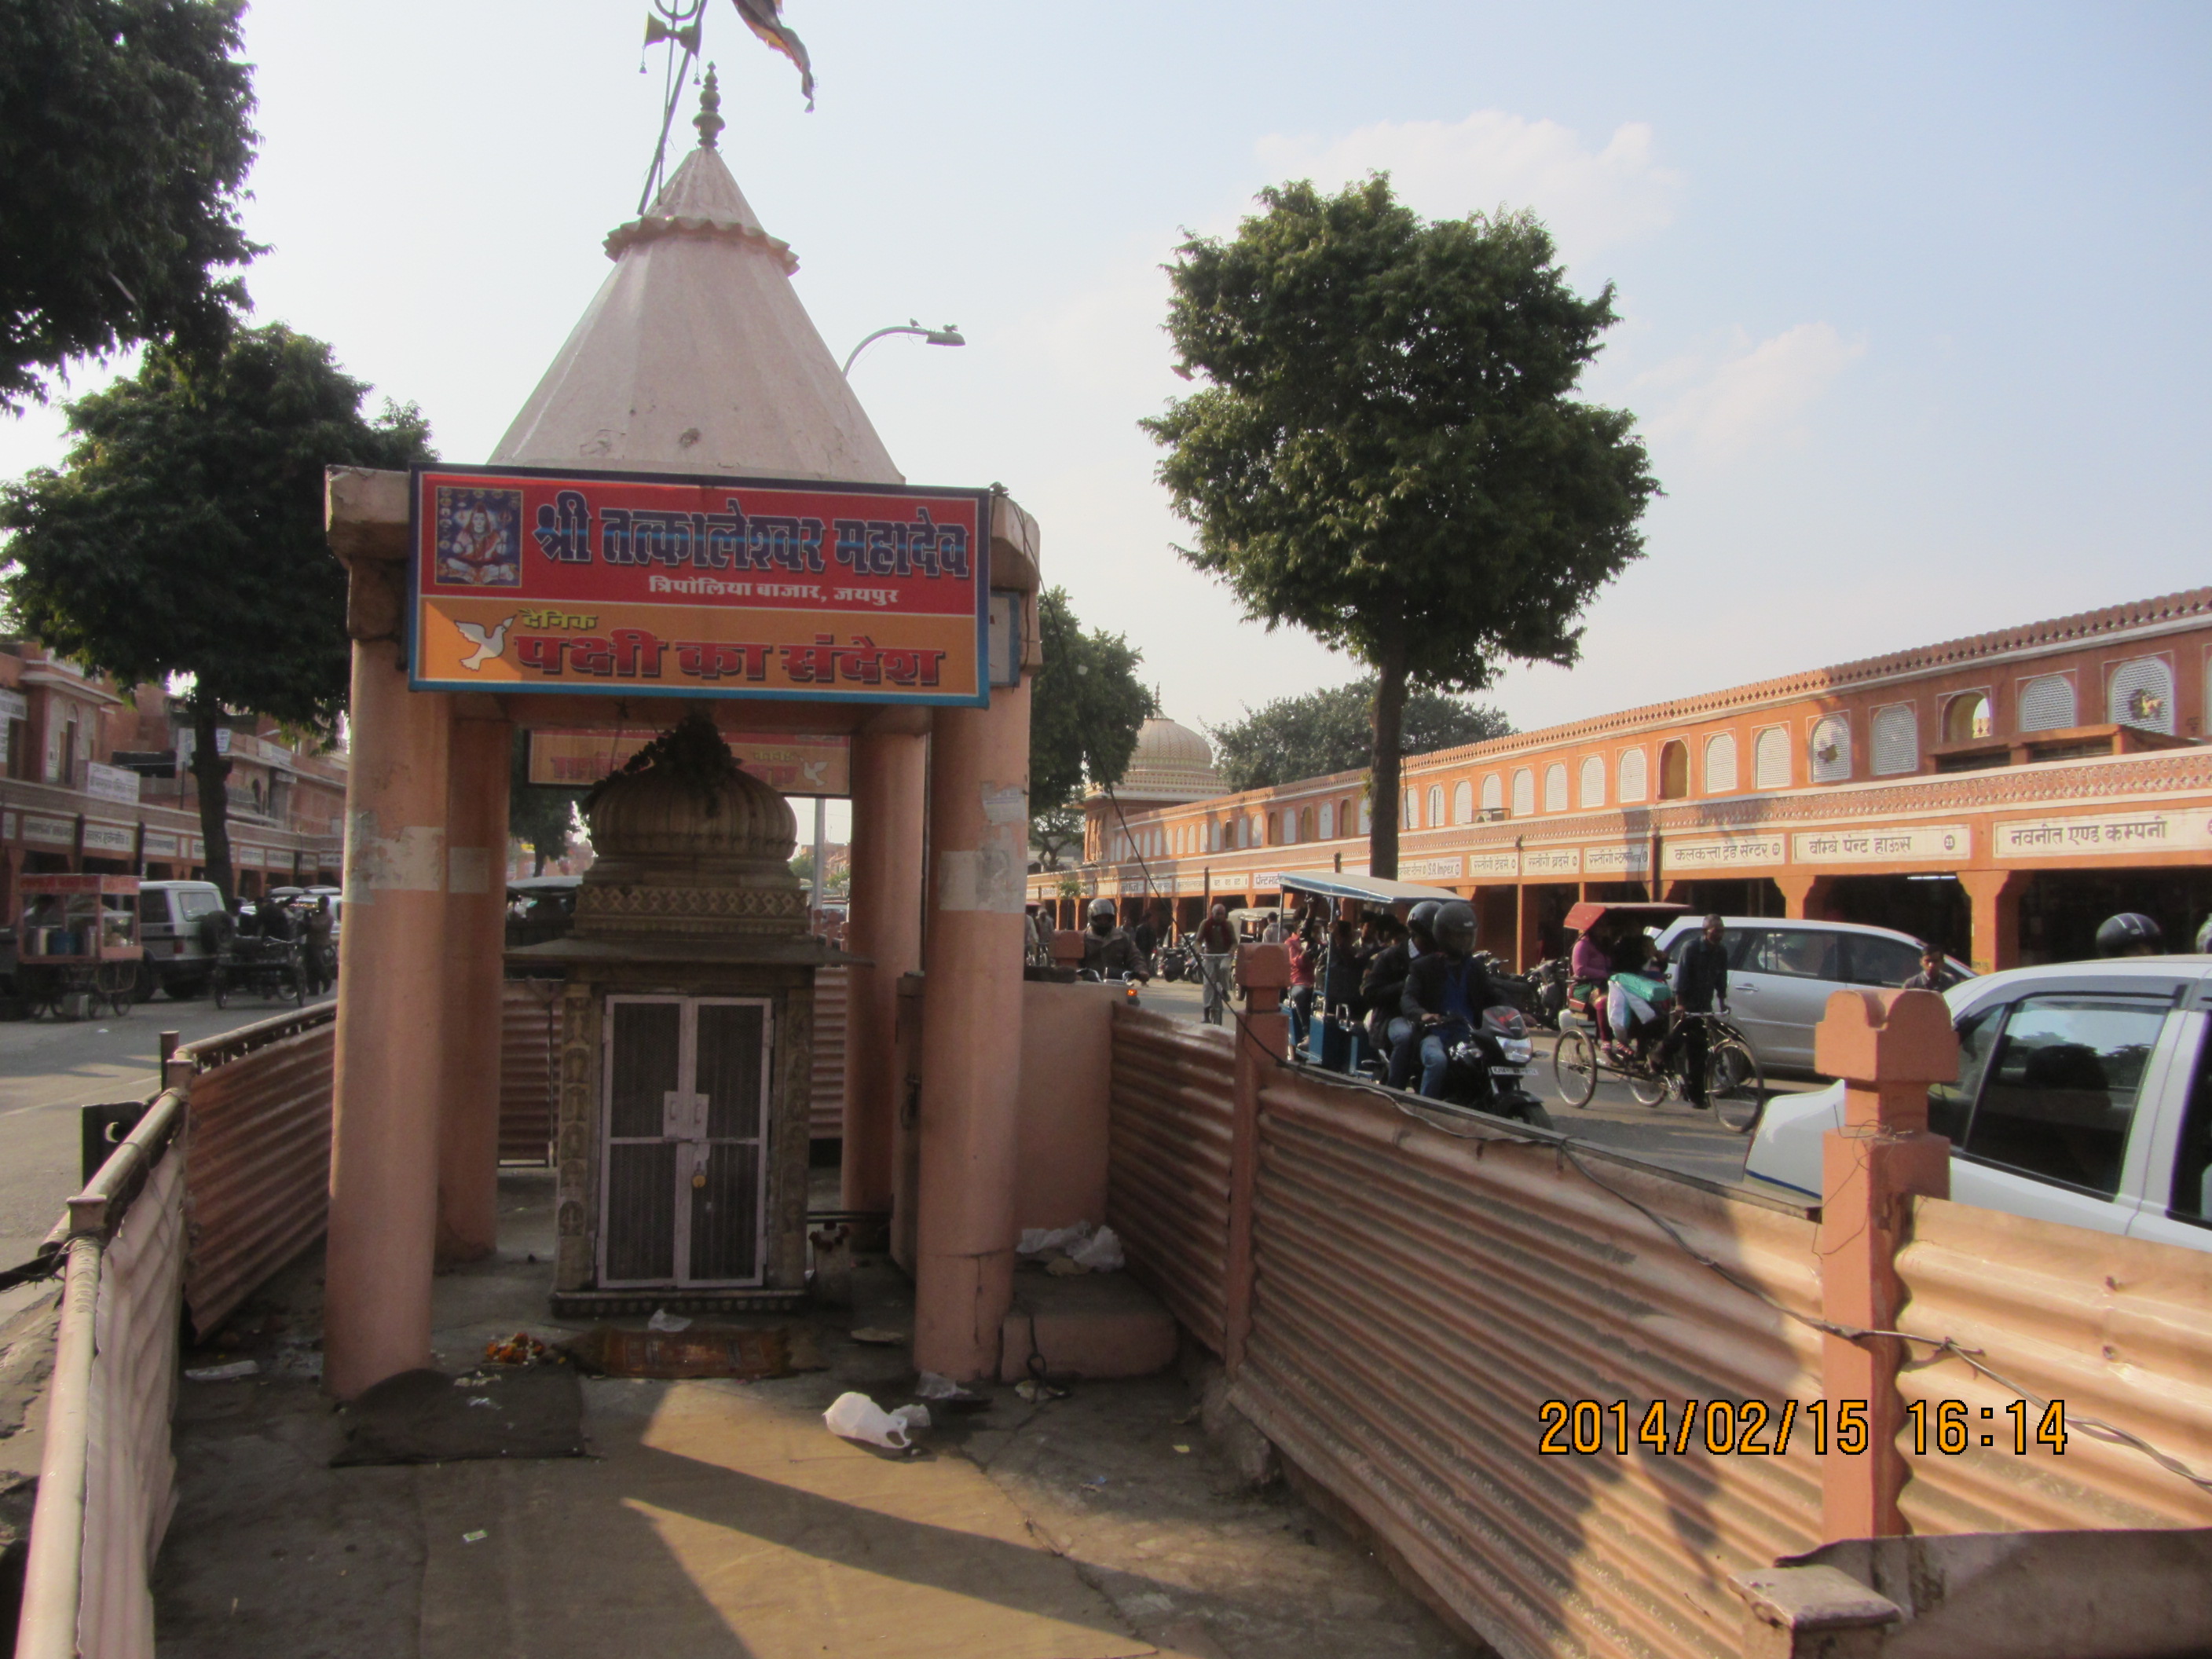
763	18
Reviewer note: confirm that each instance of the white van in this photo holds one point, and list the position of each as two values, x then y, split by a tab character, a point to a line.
2084	1096
1780	973
177	958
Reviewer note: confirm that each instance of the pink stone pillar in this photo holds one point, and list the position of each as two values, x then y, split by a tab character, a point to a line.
475	948
971	1035
383	1160
889	774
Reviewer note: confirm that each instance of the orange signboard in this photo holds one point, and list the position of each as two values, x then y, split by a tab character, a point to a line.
646	584
790	766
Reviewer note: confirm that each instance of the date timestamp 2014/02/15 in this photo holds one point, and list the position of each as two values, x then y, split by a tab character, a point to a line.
1753	1428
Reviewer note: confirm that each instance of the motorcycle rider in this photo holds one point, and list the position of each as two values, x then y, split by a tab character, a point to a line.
1384	987
1107	951
1446	992
2130	933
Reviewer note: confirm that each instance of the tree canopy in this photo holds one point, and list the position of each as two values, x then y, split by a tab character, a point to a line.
1385	452
184	537
1086	705
542	816
1333	731
124	142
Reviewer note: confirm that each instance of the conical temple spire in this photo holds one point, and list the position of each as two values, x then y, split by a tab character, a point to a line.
696	355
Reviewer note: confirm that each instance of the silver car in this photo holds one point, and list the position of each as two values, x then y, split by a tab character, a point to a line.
1781	973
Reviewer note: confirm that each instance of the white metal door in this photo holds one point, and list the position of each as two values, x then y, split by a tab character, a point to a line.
683	1183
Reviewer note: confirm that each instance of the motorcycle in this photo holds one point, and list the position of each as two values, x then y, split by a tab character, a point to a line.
1490	1064
1551	980
1179	961
1130	983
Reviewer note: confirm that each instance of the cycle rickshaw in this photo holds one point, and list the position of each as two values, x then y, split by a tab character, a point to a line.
1656	1070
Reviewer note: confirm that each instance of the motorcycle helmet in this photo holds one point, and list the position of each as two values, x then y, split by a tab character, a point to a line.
1454	927
1421	921
2130	934
1102	915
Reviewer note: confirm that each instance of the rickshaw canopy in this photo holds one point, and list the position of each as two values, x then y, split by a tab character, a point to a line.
1588	913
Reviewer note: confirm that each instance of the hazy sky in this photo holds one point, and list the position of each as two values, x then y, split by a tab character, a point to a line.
1912	296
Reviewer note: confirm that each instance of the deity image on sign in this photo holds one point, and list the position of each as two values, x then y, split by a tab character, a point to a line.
480	536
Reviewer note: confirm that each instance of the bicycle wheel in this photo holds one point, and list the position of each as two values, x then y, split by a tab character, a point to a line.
1574	1067
1648	1090
1736	1086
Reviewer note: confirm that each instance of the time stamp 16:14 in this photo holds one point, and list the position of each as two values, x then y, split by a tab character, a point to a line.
1754	1428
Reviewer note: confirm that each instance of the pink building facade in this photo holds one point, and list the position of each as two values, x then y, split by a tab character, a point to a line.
2000	794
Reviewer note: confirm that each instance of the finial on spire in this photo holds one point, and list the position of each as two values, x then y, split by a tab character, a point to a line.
709	118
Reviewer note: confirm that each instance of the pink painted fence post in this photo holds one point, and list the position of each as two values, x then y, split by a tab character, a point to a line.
1887	1047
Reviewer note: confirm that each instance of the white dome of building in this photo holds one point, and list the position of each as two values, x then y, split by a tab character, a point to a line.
1171	763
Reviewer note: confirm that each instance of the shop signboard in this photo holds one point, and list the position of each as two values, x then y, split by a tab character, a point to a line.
1622	859
109	840
630	585
7	826
1906	843
114	783
159	846
1492	866
14	706
2118	835
1720	853
1538	861
1430	869
54	832
577	758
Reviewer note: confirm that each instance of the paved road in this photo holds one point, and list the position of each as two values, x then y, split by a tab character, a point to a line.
48	1068
1675	1136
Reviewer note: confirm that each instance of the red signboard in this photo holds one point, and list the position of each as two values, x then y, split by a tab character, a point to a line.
635	585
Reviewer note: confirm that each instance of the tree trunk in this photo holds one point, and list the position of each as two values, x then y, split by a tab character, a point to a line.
1389	727
211	771
538	852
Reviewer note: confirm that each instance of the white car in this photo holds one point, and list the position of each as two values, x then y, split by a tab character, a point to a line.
2084	1096
1781	973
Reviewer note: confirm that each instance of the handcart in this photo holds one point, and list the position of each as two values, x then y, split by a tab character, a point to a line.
248	966
77	946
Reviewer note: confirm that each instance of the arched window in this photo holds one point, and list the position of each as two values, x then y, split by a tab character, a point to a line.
1306	823
1593	793
1436	806
1494	793
1327	821
1463	802
1967	717
2046	704
1832	748
2142	694
1674	770
1720	764
1896	737
1366	816
1555	787
1274	829
1343	817
1252	830
1409	811
1633	787
1770	759
1524	793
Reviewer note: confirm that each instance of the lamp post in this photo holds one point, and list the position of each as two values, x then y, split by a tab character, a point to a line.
947	336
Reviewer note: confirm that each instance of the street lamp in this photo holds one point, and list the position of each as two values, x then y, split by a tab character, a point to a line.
947	336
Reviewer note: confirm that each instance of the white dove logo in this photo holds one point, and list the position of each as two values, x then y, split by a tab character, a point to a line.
488	645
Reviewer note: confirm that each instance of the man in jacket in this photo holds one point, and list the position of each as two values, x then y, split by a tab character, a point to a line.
1216	949
1384	988
1446	992
1107	952
1700	987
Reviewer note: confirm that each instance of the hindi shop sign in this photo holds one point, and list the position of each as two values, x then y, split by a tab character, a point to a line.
1940	842
2135	832
644	585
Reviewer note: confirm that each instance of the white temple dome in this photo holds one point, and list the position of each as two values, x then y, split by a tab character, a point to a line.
1171	763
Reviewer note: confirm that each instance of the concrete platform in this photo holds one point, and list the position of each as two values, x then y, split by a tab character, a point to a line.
1089	1325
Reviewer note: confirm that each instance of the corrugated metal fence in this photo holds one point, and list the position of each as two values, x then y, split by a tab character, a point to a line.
1417	1299
106	1481
526	1037
833	1002
1167	1192
259	1164
2119	1329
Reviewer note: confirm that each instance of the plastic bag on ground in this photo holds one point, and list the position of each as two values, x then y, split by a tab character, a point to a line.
1036	1240
934	1386
856	1416
1101	1252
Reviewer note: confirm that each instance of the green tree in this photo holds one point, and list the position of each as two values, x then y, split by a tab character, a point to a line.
124	142
1086	705
184	537
542	816
1057	835
1333	731
1386	454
